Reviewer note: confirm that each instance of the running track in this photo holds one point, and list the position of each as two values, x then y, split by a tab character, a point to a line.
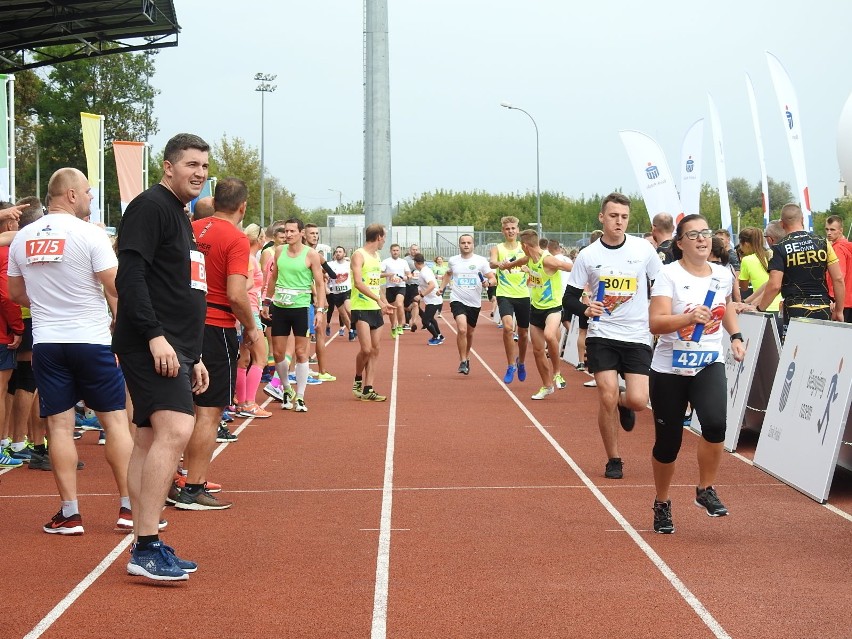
459	508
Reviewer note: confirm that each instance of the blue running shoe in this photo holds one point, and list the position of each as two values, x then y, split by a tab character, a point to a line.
510	375
8	462
522	373
434	342
157	562
87	421
227	416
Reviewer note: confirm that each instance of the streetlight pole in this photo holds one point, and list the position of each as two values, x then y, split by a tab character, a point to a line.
507	105
339	197
264	87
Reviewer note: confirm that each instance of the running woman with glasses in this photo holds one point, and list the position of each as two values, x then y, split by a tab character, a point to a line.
690	302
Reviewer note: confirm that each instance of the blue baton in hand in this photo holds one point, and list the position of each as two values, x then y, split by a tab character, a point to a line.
599	298
698	331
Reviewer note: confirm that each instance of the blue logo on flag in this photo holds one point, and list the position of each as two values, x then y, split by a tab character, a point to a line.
690	165
652	172
789	117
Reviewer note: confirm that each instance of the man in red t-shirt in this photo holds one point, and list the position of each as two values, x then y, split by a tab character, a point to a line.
843	248
226	257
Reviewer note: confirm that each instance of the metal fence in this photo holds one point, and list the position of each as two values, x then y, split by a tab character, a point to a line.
436	240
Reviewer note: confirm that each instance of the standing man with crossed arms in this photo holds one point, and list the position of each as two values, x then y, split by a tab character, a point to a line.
513	298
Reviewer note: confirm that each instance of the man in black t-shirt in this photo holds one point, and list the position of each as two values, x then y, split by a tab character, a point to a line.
158	335
797	269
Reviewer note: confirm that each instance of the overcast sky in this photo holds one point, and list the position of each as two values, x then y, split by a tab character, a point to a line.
582	70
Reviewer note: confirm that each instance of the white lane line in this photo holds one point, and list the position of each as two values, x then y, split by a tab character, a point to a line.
380	596
78	590
693	601
59	609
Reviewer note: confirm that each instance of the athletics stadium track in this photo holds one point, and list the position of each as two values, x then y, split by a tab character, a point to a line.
458	508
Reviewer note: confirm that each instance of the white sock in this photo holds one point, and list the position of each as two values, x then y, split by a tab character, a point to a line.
4	443
70	508
17	447
125	502
283	369
302	370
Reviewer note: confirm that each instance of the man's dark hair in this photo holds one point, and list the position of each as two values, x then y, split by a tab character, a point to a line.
230	194
311	225
296	221
180	143
373	232
34	210
618	198
418	258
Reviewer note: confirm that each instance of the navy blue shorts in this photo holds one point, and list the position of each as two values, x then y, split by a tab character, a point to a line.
8	359
67	373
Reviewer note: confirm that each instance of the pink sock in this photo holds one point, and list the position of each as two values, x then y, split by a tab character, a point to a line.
252	382
241	386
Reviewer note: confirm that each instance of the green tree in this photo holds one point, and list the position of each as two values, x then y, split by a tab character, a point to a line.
49	102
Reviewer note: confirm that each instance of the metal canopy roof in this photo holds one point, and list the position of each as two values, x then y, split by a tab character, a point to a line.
93	27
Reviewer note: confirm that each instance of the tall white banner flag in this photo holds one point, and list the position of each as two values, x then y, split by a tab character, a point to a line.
791	119
721	173
764	179
690	168
653	174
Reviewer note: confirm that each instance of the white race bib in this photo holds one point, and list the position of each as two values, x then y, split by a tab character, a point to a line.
47	246
198	272
688	358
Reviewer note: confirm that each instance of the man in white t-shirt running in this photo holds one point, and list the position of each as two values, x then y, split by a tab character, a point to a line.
618	340
61	267
468	272
396	273
432	302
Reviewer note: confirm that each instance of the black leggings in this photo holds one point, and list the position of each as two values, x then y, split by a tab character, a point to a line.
428	319
671	393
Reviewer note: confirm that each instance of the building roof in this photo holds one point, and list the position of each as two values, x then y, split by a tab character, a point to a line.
92	27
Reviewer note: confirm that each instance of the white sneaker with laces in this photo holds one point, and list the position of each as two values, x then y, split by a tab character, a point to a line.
543	392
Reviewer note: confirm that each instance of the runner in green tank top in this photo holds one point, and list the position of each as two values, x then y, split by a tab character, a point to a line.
368	311
544	282
513	298
295	268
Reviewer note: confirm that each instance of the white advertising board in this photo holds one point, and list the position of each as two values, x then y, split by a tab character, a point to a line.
748	382
569	343
808	408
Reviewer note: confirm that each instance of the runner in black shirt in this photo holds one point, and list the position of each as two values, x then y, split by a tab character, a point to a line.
159	328
797	269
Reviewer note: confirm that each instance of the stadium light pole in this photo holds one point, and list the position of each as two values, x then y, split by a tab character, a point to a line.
508	105
339	197
264	87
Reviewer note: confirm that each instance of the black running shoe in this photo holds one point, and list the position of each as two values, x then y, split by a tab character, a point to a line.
626	417
465	367
614	468
663	517
224	436
709	500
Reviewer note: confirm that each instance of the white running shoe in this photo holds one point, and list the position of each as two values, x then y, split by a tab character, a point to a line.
274	392
543	392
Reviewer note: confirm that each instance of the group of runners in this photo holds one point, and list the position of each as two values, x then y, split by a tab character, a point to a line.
146	332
